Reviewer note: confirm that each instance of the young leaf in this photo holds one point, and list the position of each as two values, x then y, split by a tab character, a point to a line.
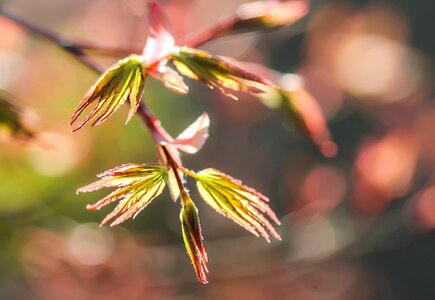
192	237
215	72
170	79
121	82
160	41
307	115
193	138
137	185
243	205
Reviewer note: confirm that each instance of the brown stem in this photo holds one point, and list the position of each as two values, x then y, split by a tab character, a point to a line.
105	50
62	42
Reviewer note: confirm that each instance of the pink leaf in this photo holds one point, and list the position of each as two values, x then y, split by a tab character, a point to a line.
160	41
170	78
193	138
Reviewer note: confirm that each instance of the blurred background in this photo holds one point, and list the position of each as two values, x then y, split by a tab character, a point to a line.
355	226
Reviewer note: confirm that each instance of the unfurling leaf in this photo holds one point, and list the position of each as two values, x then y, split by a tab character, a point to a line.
260	15
193	138
170	79
242	204
158	46
215	72
307	115
160	41
192	237
121	82
11	118
137	185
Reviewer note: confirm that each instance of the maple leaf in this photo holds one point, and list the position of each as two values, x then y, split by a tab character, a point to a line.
216	72
243	205
137	185
121	82
192	237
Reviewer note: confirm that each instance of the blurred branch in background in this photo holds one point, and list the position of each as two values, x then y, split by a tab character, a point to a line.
358	226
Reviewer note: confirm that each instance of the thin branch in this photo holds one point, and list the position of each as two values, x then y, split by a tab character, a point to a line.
175	167
97	49
213	32
62	42
158	133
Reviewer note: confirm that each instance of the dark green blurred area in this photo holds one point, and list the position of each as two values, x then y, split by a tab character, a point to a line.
344	249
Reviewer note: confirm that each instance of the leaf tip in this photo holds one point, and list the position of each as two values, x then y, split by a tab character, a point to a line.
329	148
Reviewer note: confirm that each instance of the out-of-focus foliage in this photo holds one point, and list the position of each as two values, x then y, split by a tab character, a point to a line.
264	15
11	118
370	68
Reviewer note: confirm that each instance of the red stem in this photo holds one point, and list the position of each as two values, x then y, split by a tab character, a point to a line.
175	167
211	33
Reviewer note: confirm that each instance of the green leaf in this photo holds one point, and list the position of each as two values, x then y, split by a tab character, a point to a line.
192	237
137	185
242	204
121	82
215	72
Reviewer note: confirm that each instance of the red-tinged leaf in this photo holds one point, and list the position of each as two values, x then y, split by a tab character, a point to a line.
124	81
137	186
192	237
193	138
254	16
260	15
243	205
216	72
171	79
308	117
160	41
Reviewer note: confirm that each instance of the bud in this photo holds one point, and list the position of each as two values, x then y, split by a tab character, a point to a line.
192	236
